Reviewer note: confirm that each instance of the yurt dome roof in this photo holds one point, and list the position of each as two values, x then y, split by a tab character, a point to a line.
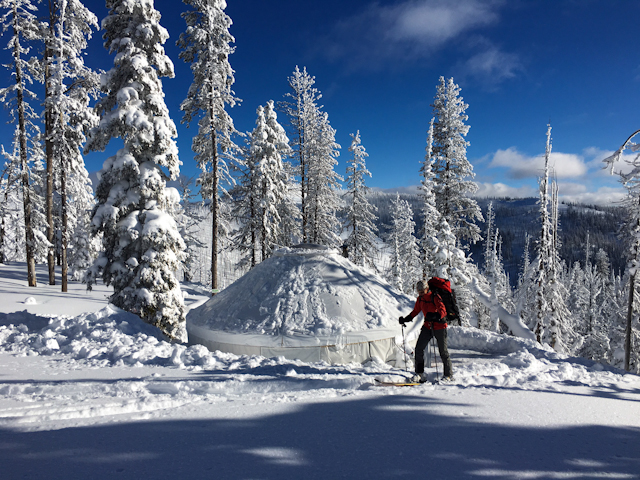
307	296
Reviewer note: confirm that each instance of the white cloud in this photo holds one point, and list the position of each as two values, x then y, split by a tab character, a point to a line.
562	165
434	22
602	196
492	65
413	29
502	190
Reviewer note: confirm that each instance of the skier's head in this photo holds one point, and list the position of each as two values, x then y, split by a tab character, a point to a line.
420	287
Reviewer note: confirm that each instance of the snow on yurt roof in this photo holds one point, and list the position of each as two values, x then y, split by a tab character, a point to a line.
308	293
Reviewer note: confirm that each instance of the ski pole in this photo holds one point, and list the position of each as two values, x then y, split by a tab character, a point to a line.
433	340
404	349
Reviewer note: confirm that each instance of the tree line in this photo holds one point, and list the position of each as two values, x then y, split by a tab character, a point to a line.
273	187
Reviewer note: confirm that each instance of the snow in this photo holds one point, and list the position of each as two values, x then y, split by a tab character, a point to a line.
89	391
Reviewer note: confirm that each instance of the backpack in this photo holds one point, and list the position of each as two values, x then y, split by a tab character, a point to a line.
442	287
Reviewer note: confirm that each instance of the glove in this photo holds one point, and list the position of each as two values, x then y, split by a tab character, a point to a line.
403	320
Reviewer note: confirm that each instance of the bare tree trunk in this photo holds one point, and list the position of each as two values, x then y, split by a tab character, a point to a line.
65	232
627	339
2	227
214	212
48	128
303	181
26	197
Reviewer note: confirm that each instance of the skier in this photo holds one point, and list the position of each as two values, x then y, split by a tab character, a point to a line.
430	304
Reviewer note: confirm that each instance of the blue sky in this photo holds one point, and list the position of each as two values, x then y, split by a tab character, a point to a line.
520	64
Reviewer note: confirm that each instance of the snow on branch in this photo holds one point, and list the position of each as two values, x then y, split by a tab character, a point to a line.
515	323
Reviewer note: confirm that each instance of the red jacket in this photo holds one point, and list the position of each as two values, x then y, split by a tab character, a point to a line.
428	304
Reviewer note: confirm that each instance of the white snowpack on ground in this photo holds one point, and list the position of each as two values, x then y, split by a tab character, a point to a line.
89	391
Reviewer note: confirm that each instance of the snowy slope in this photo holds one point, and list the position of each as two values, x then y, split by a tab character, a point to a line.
99	395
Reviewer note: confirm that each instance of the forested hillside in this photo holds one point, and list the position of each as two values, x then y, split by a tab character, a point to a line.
516	217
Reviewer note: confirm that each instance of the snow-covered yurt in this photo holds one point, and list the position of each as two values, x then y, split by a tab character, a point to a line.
308	303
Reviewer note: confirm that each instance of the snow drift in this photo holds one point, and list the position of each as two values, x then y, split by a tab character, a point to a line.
307	303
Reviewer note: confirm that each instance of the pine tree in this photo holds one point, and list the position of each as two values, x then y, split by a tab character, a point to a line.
489	237
453	171
631	182
615	309
207	46
263	196
603	264
70	85
19	17
141	244
37	192
189	216
245	211
525	292
302	110
360	214
405	265
450	262
11	209
430	215
552	316
269	145
323	184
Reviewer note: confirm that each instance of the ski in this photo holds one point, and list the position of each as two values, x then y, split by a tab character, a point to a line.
396	384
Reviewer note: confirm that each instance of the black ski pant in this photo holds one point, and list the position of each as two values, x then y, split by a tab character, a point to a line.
426	334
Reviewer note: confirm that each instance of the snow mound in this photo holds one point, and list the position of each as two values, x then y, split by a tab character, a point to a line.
308	290
107	337
303	297
465	338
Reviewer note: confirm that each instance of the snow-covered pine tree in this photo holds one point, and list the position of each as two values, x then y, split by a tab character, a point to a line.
552	316
70	86
405	266
360	215
494	272
206	45
189	217
603	265
429	211
302	109
450	262
323	183
489	237
11	208
269	145
524	295
593	284
20	19
283	186
37	192
595	340
289	231
141	244
245	210
631	182
616	301
454	173
263	193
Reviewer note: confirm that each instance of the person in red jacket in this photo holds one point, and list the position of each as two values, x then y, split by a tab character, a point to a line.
435	325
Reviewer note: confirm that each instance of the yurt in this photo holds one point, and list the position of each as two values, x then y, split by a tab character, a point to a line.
306	302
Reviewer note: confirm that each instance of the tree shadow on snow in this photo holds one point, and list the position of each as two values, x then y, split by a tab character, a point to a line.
390	436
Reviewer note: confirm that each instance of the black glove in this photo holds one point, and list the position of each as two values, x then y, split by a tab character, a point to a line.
403	320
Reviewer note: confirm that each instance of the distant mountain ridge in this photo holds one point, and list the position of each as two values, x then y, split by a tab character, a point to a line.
515	217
